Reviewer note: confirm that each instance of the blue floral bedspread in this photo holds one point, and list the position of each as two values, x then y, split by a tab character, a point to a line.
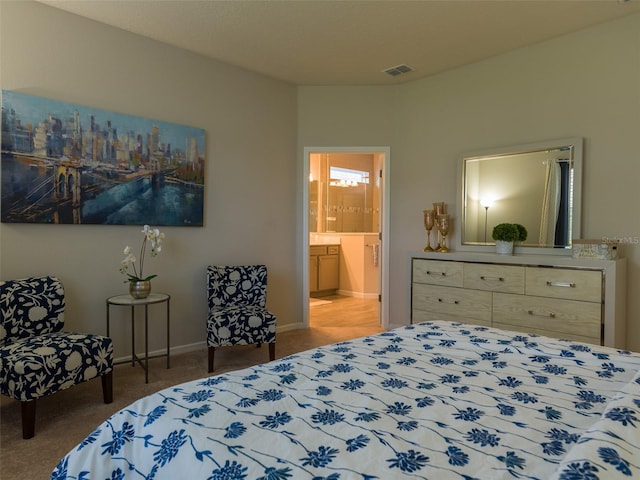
437	400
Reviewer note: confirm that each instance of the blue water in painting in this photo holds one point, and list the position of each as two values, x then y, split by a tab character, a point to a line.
136	202
139	202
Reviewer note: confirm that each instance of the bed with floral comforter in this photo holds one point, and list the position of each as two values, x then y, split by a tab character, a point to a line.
436	400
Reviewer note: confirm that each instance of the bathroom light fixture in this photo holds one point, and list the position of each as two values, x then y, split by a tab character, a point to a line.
346	177
343	183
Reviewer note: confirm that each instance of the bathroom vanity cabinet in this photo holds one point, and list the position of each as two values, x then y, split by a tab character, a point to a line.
555	296
324	269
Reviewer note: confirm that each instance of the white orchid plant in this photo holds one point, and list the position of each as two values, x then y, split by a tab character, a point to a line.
151	235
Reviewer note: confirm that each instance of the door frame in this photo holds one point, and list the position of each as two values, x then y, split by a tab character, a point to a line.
383	279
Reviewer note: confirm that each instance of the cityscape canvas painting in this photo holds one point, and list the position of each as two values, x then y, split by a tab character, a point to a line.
70	164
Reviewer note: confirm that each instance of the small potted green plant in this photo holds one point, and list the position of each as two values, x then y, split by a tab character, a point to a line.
506	235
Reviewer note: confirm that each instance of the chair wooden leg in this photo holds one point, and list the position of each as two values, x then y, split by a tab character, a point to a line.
272	351
107	387
211	353
28	419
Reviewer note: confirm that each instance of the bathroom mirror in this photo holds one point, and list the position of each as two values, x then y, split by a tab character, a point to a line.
344	192
536	185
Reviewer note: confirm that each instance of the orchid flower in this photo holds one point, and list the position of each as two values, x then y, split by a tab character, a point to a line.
155	237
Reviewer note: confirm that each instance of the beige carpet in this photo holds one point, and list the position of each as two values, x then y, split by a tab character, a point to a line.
64	419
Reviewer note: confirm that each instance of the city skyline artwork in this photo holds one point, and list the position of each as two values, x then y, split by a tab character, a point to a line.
64	163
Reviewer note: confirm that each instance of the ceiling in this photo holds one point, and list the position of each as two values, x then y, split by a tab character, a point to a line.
349	42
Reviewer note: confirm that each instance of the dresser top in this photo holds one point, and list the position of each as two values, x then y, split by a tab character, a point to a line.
521	259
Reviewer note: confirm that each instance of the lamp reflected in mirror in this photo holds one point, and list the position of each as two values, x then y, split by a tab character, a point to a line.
486	202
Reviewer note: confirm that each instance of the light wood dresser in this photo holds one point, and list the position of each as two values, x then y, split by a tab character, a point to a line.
550	295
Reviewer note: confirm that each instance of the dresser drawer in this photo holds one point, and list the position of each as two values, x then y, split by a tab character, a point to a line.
419	316
436	272
582	300
555	317
324	249
539	331
494	278
318	250
452	301
585	285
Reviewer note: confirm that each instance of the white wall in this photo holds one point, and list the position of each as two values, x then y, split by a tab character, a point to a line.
250	211
583	84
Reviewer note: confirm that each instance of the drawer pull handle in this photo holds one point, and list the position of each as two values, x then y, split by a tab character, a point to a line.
562	284
483	277
455	302
442	274
550	314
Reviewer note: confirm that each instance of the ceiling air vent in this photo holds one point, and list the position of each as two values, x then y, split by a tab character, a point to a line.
398	70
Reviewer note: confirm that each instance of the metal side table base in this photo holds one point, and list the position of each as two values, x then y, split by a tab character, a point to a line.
129	301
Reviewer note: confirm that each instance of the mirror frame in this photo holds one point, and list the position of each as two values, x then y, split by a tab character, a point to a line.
575	142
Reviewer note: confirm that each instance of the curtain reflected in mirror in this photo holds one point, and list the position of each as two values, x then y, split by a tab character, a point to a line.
533	187
343	193
555	223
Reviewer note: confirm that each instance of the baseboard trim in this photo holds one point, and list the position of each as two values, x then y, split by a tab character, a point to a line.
163	352
348	293
289	327
178	349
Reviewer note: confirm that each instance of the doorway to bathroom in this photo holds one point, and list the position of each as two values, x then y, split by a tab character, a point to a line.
344	243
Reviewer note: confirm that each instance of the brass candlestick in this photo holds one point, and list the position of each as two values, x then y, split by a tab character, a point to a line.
429	219
443	226
439	208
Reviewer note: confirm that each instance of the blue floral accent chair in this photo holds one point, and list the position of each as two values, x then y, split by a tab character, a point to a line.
36	357
237	297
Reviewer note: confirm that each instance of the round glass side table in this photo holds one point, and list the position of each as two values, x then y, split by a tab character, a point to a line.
128	301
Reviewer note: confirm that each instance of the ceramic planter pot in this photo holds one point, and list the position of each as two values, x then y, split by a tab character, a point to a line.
504	248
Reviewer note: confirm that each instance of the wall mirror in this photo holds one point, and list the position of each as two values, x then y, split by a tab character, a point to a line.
537	185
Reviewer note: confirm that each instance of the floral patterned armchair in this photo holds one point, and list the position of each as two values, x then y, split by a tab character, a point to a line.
36	357
237	296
